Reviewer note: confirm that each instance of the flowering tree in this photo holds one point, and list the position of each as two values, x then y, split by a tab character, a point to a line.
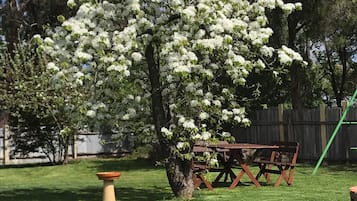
42	118
178	59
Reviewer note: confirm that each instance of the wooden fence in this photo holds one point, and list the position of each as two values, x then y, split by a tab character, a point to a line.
312	128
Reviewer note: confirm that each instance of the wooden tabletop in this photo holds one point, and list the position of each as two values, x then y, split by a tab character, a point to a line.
243	146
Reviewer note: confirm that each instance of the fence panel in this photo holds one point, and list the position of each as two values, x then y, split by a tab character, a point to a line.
264	128
307	128
304	127
310	127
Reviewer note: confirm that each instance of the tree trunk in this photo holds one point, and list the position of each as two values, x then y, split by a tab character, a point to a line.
334	80
66	150
179	172
11	24
276	23
296	73
297	100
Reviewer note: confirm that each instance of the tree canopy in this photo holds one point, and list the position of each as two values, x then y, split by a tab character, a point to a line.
179	60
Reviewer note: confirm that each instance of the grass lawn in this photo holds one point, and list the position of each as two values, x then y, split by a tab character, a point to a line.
142	181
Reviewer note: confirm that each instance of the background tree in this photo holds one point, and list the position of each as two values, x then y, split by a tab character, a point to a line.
297	84
21	19
42	118
336	45
182	58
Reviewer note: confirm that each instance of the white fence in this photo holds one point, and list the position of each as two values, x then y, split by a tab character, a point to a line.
86	145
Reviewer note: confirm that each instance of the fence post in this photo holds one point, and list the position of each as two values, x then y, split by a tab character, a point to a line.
6	143
281	121
74	147
345	136
323	129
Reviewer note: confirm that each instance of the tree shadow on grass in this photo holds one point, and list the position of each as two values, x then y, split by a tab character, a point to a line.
340	167
124	165
86	194
42	194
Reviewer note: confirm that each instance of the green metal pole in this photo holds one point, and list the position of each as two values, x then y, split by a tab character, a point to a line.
350	103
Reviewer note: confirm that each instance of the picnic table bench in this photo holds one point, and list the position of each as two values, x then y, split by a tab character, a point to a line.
282	161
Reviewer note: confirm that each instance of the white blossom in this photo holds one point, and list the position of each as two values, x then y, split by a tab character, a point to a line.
71	3
166	132
288	8
119	68
292	53
58	75
213	162
126	117
217	103
205	135
226	134
138	99
78	75
136	56
180	145
190	11
83	55
260	64
52	66
37	36
206	102
199	92
190	124
131	112
190	87
238	110
237	119
204	115
298	6
284	58
246	121
181	119
48	40
287	55
91	113
134	5
266	51
194	103
182	69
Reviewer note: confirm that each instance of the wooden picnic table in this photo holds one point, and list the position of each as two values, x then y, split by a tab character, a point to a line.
235	154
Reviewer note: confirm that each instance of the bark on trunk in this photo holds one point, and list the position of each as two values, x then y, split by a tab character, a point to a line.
296	73
276	23
297	100
66	150
179	172
11	23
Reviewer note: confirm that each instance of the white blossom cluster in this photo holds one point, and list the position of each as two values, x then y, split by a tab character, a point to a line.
287	55
203	48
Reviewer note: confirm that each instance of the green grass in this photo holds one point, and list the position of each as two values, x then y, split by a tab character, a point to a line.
142	181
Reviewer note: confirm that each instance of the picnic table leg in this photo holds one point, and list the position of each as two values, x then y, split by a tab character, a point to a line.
236	180
219	177
245	169
227	170
250	175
